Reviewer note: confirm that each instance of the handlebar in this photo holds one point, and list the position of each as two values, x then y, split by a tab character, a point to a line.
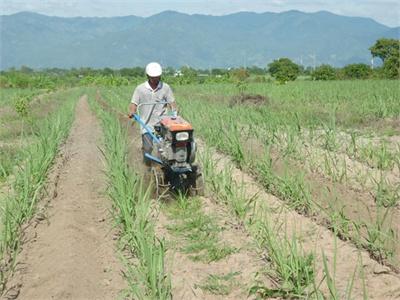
153	103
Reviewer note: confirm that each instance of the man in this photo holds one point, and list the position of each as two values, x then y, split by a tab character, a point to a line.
153	90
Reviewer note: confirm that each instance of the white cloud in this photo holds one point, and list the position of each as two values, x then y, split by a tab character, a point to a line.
386	11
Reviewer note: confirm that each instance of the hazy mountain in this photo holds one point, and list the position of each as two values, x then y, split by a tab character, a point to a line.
177	39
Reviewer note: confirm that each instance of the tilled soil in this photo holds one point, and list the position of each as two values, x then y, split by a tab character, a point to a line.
70	251
380	281
187	275
356	201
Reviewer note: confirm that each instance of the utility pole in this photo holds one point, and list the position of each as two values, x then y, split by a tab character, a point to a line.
314	58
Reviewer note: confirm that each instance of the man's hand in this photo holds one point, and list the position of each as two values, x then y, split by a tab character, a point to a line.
132	110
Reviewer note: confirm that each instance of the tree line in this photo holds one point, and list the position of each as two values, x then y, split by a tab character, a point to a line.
387	50
282	69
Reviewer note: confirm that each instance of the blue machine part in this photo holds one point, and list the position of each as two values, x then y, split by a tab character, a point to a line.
153	158
155	139
148	129
181	170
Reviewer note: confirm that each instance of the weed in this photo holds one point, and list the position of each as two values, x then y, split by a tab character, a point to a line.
219	284
198	230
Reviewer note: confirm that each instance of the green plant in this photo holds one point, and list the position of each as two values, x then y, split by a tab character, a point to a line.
198	231
380	237
219	284
147	276
227	190
386	195
294	268
330	278
22	106
284	70
324	72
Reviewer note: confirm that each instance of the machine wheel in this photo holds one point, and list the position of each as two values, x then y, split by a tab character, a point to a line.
197	184
160	187
156	179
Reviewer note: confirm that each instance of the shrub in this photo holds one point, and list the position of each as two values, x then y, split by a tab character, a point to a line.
284	70
324	72
357	71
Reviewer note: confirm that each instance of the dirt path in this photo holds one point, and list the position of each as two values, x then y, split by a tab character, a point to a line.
72	253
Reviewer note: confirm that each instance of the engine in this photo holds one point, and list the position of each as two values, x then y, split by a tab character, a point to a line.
177	147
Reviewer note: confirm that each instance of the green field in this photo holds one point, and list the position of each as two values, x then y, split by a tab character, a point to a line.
326	148
307	173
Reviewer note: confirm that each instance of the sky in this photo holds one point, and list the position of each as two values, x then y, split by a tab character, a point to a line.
386	12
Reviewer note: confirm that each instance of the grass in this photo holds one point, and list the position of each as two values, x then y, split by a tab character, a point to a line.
225	189
199	231
219	284
9	157
387	195
380	238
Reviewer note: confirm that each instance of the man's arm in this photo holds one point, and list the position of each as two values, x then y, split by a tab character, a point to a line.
135	100
173	106
132	109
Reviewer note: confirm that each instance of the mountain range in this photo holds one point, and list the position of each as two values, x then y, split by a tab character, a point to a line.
178	39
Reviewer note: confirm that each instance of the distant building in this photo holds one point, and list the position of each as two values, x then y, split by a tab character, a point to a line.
178	73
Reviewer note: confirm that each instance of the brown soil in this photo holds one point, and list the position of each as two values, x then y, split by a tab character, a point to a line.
248	99
70	252
380	281
187	275
383	125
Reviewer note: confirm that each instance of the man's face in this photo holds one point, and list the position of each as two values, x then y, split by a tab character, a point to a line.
154	80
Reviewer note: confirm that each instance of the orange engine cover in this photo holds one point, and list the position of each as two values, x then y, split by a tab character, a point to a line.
175	124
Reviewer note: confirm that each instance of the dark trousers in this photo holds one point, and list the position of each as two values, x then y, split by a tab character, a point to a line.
147	147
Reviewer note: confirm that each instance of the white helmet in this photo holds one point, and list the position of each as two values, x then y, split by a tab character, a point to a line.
153	69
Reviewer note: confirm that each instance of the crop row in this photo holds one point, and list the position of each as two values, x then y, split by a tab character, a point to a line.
142	252
26	186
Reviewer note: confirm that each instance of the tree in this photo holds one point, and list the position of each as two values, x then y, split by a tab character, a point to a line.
284	70
218	72
385	48
189	72
256	70
388	50
391	67
132	72
240	74
27	70
169	71
324	72
107	72
357	71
